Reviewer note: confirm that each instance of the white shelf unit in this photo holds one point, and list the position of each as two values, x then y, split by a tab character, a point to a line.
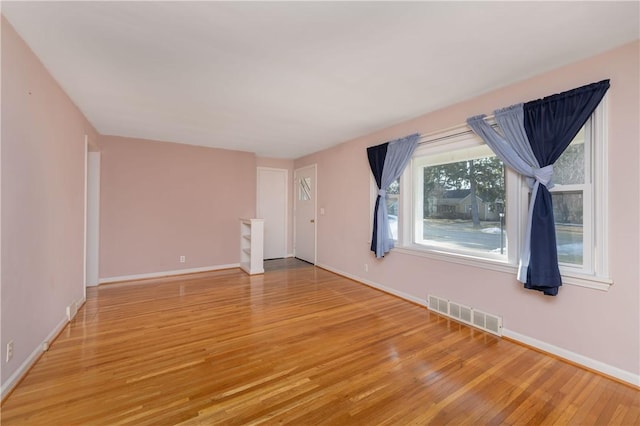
252	245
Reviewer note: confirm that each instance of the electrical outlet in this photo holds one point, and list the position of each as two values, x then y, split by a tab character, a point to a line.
366	267
9	350
183	259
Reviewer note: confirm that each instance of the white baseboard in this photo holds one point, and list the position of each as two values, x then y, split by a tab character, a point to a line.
395	292
618	373
593	364
166	273
31	359
79	304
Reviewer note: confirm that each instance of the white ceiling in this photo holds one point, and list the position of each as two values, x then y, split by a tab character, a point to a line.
287	79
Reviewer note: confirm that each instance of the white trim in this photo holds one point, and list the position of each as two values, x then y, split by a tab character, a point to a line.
86	209
81	302
288	255
13	380
376	285
600	178
460	259
586	281
166	273
439	137
593	364
93	219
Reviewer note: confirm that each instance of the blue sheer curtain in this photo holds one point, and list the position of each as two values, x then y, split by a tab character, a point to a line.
534	135
512	147
387	162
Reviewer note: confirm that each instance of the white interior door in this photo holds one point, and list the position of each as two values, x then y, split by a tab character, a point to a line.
305	213
272	207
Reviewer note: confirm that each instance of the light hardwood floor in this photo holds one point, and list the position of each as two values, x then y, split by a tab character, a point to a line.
301	346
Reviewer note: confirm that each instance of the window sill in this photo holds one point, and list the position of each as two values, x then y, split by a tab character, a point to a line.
588	281
580	280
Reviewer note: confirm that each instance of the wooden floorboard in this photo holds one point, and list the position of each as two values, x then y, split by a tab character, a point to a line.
297	345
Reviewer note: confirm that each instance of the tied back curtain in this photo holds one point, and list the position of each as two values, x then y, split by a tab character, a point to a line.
514	150
534	135
387	162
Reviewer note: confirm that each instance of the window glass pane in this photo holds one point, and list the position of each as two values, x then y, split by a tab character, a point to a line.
464	202
393	195
569	168
304	189
567	213
394	188
568	206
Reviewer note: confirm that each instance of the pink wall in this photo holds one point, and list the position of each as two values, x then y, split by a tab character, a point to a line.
42	201
278	163
603	326
163	200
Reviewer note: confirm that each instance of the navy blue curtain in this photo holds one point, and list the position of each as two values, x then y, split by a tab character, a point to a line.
376	155
551	124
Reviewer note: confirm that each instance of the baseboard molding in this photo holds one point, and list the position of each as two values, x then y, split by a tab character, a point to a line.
592	364
376	285
166	273
15	378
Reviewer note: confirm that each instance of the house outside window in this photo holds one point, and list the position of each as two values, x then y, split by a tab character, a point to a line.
456	187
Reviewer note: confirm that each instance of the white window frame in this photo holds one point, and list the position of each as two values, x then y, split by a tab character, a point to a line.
595	265
461	139
595	271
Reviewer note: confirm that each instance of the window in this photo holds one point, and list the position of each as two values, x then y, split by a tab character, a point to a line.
460	203
570	197
580	202
459	200
304	189
393	206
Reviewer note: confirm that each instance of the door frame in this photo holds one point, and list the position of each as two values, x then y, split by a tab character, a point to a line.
91	216
86	210
314	198
286	201
93	220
